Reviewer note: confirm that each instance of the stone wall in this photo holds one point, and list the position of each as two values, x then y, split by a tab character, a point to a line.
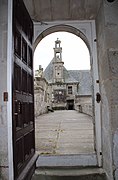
83	99
83	104
86	109
107	42
41	96
40	104
59	106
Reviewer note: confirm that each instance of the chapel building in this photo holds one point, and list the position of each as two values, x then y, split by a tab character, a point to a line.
66	88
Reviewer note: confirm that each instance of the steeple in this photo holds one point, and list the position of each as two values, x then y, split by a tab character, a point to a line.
58	51
58	63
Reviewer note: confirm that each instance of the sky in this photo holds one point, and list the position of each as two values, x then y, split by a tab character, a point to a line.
75	53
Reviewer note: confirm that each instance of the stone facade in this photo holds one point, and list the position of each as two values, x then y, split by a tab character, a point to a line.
41	94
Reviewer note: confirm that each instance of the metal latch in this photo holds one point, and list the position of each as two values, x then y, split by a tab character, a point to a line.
5	96
98	97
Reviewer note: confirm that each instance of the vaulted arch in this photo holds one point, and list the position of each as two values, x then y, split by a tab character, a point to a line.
60	28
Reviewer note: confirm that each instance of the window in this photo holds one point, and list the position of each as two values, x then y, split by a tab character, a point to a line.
69	89
58	54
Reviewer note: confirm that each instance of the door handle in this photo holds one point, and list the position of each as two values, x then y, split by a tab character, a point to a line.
98	97
18	107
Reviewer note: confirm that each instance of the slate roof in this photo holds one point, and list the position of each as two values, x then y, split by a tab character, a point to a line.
48	74
68	77
83	77
85	81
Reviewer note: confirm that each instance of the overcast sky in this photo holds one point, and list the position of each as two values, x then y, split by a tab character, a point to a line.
75	54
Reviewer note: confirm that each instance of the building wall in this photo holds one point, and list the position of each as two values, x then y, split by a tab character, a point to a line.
41	96
40	104
87	109
107	43
83	99
83	104
61	104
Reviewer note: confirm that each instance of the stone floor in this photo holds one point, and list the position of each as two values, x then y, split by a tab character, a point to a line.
64	133
70	174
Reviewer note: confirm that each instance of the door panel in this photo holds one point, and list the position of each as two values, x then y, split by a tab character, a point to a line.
23	99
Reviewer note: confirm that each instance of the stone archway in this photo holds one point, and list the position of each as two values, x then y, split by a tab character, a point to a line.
86	31
60	28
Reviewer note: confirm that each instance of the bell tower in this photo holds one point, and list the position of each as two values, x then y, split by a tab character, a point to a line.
58	63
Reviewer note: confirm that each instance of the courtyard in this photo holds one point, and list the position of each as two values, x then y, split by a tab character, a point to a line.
66	132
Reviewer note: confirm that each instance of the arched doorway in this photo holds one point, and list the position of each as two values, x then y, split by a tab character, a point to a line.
93	61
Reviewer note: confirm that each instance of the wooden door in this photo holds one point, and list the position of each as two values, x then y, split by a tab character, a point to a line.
23	98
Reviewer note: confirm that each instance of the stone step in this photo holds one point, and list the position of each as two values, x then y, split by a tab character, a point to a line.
81	160
69	174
